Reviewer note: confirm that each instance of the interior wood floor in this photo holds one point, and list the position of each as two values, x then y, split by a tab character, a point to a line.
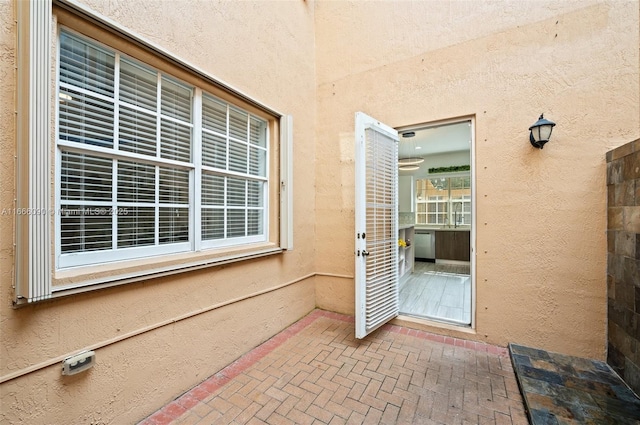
438	291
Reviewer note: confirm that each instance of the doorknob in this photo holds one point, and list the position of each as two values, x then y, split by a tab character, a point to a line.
365	252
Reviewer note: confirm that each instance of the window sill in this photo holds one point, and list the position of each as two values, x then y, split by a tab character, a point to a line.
83	279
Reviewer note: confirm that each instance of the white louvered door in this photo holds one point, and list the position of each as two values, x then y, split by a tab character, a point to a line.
376	210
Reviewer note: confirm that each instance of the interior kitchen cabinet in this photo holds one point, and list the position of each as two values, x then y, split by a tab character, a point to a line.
453	245
405	194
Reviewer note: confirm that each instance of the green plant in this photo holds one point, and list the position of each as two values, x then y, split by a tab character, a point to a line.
452	169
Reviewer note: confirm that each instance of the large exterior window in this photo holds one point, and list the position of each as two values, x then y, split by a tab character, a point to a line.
444	201
149	165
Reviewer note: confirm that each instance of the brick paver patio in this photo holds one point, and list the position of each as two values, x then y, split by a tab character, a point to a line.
316	372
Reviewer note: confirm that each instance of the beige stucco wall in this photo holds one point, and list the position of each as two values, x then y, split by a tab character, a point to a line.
541	244
157	338
541	214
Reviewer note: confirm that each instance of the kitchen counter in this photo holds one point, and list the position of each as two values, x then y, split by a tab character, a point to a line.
443	228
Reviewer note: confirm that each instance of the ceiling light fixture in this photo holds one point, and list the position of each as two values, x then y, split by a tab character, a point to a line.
415	160
411	160
540	132
408	168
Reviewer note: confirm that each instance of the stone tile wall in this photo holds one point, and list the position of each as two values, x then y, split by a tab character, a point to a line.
623	263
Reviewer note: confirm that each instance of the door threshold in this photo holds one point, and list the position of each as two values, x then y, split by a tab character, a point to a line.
424	321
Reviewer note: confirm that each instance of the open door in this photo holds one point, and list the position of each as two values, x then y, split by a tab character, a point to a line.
376	211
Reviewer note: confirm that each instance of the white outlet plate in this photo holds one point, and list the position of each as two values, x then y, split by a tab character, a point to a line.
78	363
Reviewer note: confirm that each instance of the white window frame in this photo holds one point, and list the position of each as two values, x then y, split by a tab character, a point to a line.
35	276
196	168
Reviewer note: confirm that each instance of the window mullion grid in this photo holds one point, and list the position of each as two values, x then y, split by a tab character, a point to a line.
246	182
120	159
116	140
226	178
195	194
265	192
156	207
114	206
58	171
85	92
449	203
225	227
228	155
58	202
246	206
158	115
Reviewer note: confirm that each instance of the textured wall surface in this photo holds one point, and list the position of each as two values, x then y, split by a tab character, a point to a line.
159	337
541	214
623	271
541	245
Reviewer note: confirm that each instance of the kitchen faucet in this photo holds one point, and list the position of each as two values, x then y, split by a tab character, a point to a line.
455	214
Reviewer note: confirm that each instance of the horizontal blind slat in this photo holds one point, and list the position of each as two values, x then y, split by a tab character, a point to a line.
137	131
85	65
138	85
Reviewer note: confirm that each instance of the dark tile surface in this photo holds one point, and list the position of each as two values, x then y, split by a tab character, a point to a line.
560	389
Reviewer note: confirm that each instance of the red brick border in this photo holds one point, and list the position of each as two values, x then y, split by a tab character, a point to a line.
191	398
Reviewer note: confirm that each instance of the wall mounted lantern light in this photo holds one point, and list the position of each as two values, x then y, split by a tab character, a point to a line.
540	132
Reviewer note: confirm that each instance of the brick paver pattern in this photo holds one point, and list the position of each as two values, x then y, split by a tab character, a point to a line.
316	372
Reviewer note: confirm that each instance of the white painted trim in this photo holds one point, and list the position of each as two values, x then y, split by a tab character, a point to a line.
286	182
360	225
109	281
33	247
195	186
88	258
474	223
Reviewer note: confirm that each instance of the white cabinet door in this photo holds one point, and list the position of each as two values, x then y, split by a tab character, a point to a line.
376	210
405	194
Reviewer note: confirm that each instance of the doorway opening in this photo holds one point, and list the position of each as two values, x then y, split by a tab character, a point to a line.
436	212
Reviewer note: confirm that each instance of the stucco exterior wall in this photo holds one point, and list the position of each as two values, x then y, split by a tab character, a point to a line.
157	338
541	214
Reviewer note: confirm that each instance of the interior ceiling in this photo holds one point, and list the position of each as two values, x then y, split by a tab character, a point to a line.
433	140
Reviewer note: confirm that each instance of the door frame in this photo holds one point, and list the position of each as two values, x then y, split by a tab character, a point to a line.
472	172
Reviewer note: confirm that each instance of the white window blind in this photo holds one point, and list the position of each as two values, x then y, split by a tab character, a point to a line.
234	176
127	166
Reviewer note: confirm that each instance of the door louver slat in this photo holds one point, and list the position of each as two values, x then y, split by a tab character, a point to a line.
377	217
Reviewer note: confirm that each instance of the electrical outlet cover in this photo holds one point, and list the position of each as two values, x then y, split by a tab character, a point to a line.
78	363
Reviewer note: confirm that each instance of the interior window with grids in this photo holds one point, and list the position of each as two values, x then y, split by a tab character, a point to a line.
444	201
148	165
